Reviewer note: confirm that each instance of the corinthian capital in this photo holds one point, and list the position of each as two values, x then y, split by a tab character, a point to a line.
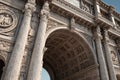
45	10
105	34
29	8
32	1
97	33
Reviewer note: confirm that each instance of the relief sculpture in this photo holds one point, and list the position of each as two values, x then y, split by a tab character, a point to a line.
114	58
5	20
8	19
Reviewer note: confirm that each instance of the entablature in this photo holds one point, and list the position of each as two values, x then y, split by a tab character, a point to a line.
114	33
81	15
67	10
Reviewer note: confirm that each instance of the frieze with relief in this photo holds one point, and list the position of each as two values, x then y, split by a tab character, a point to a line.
8	19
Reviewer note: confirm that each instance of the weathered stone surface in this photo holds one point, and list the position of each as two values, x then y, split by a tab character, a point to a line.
73	40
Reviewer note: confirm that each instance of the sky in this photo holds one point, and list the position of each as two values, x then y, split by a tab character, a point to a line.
45	75
115	3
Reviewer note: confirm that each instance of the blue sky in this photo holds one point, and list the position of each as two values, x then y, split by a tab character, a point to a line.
45	75
115	3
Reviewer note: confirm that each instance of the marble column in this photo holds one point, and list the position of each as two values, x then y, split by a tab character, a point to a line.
100	55
36	63
110	66
14	64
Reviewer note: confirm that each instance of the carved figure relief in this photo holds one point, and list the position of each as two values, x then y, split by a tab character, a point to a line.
8	19
5	20
114	58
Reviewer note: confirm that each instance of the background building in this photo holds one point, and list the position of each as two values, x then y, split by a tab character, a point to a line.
71	39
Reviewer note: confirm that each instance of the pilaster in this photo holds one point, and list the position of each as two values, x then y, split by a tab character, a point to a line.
72	24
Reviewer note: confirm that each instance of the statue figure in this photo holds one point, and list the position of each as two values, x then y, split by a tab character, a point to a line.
114	58
1	19
5	20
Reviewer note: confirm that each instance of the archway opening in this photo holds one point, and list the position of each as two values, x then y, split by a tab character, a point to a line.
2	64
45	74
68	57
118	77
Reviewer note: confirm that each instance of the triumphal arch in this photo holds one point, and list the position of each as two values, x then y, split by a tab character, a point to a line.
71	39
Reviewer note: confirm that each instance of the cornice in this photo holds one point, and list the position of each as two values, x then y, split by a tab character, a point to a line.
114	33
103	22
19	6
116	14
104	5
82	17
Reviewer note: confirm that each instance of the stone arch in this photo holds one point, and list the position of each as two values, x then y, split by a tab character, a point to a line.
50	31
69	56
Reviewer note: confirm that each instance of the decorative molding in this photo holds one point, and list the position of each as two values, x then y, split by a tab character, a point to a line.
19	5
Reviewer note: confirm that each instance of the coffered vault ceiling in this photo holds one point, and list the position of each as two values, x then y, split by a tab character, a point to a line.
67	54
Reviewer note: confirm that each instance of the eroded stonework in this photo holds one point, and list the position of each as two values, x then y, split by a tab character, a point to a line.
72	40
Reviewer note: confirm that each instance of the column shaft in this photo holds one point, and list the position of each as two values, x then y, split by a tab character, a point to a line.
108	57
14	64
101	59
36	63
